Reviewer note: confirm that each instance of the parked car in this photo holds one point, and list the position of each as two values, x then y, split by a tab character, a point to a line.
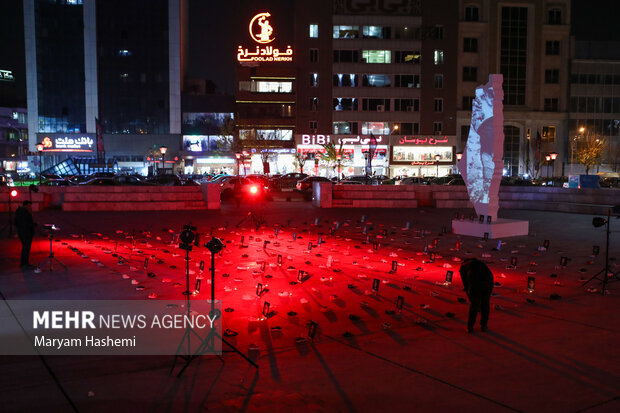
101	182
611	182
131	180
165	180
57	182
247	187
305	185
361	179
286	182
414	180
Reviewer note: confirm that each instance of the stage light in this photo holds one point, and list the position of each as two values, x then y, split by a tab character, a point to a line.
598	222
253	189
14	193
214	245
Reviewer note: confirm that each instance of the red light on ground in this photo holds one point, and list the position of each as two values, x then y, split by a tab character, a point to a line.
14	193
253	189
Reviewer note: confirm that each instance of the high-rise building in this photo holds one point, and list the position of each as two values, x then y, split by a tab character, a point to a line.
104	78
528	42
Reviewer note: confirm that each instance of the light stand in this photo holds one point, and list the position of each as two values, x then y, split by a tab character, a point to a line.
187	236
50	228
598	222
40	150
12	193
215	245
256	220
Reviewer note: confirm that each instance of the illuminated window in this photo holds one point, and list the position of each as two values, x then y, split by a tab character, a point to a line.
438	57
314	79
376	32
344	128
314	104
407	57
377	56
346	32
376	80
548	134
264	86
345	104
345	80
314	31
376	128
438	81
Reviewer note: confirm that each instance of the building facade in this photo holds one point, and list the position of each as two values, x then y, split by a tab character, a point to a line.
528	41
103	80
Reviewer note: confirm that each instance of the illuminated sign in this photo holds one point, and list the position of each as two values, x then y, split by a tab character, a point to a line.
262	32
414	163
6	75
325	139
421	140
68	143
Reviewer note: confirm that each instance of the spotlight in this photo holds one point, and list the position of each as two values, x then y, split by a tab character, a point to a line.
14	193
253	189
186	237
214	245
598	222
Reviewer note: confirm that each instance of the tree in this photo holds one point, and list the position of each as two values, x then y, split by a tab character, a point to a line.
589	151
300	160
227	133
331	154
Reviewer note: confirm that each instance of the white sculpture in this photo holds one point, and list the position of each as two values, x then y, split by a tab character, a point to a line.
481	165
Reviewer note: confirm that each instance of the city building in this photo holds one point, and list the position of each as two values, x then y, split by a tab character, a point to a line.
528	41
358	74
594	103
104	81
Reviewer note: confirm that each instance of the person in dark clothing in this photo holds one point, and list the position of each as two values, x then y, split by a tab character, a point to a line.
478	284
25	231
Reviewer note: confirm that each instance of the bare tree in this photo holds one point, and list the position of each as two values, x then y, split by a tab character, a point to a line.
589	151
300	160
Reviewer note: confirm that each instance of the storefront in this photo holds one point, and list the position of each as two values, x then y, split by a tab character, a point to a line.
354	159
422	155
270	161
208	154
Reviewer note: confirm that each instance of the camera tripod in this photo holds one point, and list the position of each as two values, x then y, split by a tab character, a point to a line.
603	275
51	258
255	220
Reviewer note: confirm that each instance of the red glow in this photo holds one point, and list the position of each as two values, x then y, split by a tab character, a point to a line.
14	193
253	189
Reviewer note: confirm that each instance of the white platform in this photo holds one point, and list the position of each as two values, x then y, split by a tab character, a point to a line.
502	228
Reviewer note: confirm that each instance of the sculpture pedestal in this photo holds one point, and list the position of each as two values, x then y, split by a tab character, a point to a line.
502	228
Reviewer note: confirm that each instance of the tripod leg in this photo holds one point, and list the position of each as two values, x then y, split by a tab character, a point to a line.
237	351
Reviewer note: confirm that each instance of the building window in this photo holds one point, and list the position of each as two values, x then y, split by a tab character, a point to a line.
345	128
437	33
438	81
376	105
438	105
512	137
412	81
464	134
314	55
377	56
552	47
376	128
347	104
472	14
407	128
314	104
513	54
407	105
314	31
548	134
470	74
314	125
554	16
438	57
345	80
376	80
407	57
552	76
437	128
264	86
467	102
376	32
314	79
470	44
346	56
346	32
551	105
406	32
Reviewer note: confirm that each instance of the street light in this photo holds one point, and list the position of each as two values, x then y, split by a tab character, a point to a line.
40	150
163	150
553	156
548	159
437	158
459	156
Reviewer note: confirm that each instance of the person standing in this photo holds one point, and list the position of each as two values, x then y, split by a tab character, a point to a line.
478	284
25	231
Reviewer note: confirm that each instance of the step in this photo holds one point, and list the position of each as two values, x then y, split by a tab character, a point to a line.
134	206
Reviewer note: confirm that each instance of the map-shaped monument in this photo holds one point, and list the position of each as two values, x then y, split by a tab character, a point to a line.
481	165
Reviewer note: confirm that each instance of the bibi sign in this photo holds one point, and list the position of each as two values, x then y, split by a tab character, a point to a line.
60	142
348	140
261	32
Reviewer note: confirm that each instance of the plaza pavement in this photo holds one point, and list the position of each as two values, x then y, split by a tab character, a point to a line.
560	355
